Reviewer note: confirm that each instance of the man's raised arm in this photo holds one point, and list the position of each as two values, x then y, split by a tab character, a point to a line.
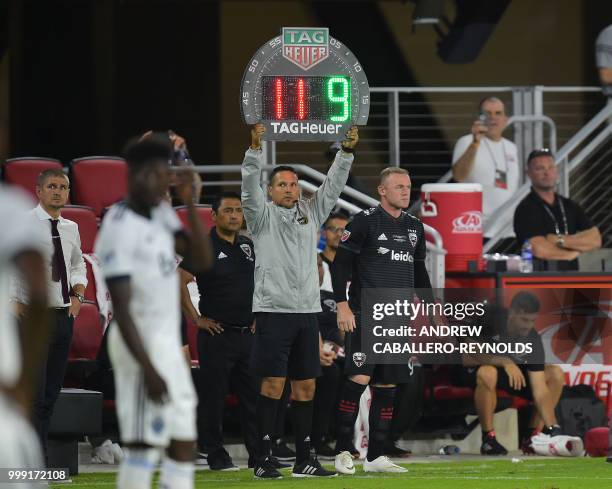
253	198
327	194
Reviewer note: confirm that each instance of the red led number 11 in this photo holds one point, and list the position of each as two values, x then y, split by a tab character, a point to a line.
337	92
301	98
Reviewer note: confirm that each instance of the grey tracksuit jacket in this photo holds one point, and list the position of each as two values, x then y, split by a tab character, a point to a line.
286	275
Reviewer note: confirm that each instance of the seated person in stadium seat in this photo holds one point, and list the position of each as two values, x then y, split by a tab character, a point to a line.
181	157
524	375
487	158
603	55
557	227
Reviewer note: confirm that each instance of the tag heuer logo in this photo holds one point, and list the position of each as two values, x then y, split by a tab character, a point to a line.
305	46
359	358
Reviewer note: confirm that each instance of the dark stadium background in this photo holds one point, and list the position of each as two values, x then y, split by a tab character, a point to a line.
78	77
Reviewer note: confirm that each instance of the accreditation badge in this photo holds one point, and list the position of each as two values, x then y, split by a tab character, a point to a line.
501	179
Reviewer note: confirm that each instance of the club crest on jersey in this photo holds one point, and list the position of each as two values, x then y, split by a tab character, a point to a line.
359	358
413	239
345	235
157	424
247	251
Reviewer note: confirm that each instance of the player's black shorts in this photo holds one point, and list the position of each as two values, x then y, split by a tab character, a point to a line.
286	345
466	376
379	374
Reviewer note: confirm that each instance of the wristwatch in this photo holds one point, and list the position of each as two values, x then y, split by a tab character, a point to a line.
560	241
81	298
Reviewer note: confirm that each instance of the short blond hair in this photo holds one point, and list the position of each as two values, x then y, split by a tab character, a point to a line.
391	170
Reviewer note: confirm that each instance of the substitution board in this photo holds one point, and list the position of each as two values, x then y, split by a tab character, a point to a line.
304	85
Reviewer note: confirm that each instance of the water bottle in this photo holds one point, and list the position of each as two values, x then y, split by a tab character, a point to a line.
449	450
526	257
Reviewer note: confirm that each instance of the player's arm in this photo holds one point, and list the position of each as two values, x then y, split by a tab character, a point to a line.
328	193
421	276
121	292
253	197
341	269
33	326
195	247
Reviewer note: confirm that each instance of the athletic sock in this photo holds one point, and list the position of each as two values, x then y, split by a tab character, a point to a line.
176	475
486	434
301	416
381	416
265	412
348	409
136	469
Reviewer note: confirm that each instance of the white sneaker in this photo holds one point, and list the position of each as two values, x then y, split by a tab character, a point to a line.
382	464
117	453
344	463
104	453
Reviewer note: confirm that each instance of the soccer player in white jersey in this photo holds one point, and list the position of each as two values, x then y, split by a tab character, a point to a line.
20	253
137	244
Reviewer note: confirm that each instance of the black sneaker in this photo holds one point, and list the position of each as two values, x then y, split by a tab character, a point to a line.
221	460
490	445
325	452
281	451
393	451
311	468
266	470
277	463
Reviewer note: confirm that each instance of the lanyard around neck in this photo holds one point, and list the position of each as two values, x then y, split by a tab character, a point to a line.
552	216
486	143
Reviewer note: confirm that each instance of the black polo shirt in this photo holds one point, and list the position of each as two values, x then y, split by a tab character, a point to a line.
532	219
226	290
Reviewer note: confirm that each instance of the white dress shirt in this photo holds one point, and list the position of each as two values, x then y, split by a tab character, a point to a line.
73	257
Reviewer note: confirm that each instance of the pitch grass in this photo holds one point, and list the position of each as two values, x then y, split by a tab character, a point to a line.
532	473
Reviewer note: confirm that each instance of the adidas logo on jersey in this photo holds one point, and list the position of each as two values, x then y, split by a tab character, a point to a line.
399	256
221	255
383	251
382	237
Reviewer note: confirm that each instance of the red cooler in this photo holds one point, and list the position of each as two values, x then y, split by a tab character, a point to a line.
455	211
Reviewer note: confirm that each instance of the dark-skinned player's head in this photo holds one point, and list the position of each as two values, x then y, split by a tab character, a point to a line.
148	173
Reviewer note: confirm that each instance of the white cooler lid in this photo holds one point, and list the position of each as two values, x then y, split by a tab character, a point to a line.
451	187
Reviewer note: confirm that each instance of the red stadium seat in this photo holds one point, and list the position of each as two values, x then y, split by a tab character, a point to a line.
99	181
23	172
87	222
204	211
87	334
90	290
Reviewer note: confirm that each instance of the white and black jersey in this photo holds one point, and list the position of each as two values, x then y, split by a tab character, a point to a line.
390	252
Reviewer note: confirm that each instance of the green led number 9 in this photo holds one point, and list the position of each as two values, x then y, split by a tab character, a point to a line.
343	98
